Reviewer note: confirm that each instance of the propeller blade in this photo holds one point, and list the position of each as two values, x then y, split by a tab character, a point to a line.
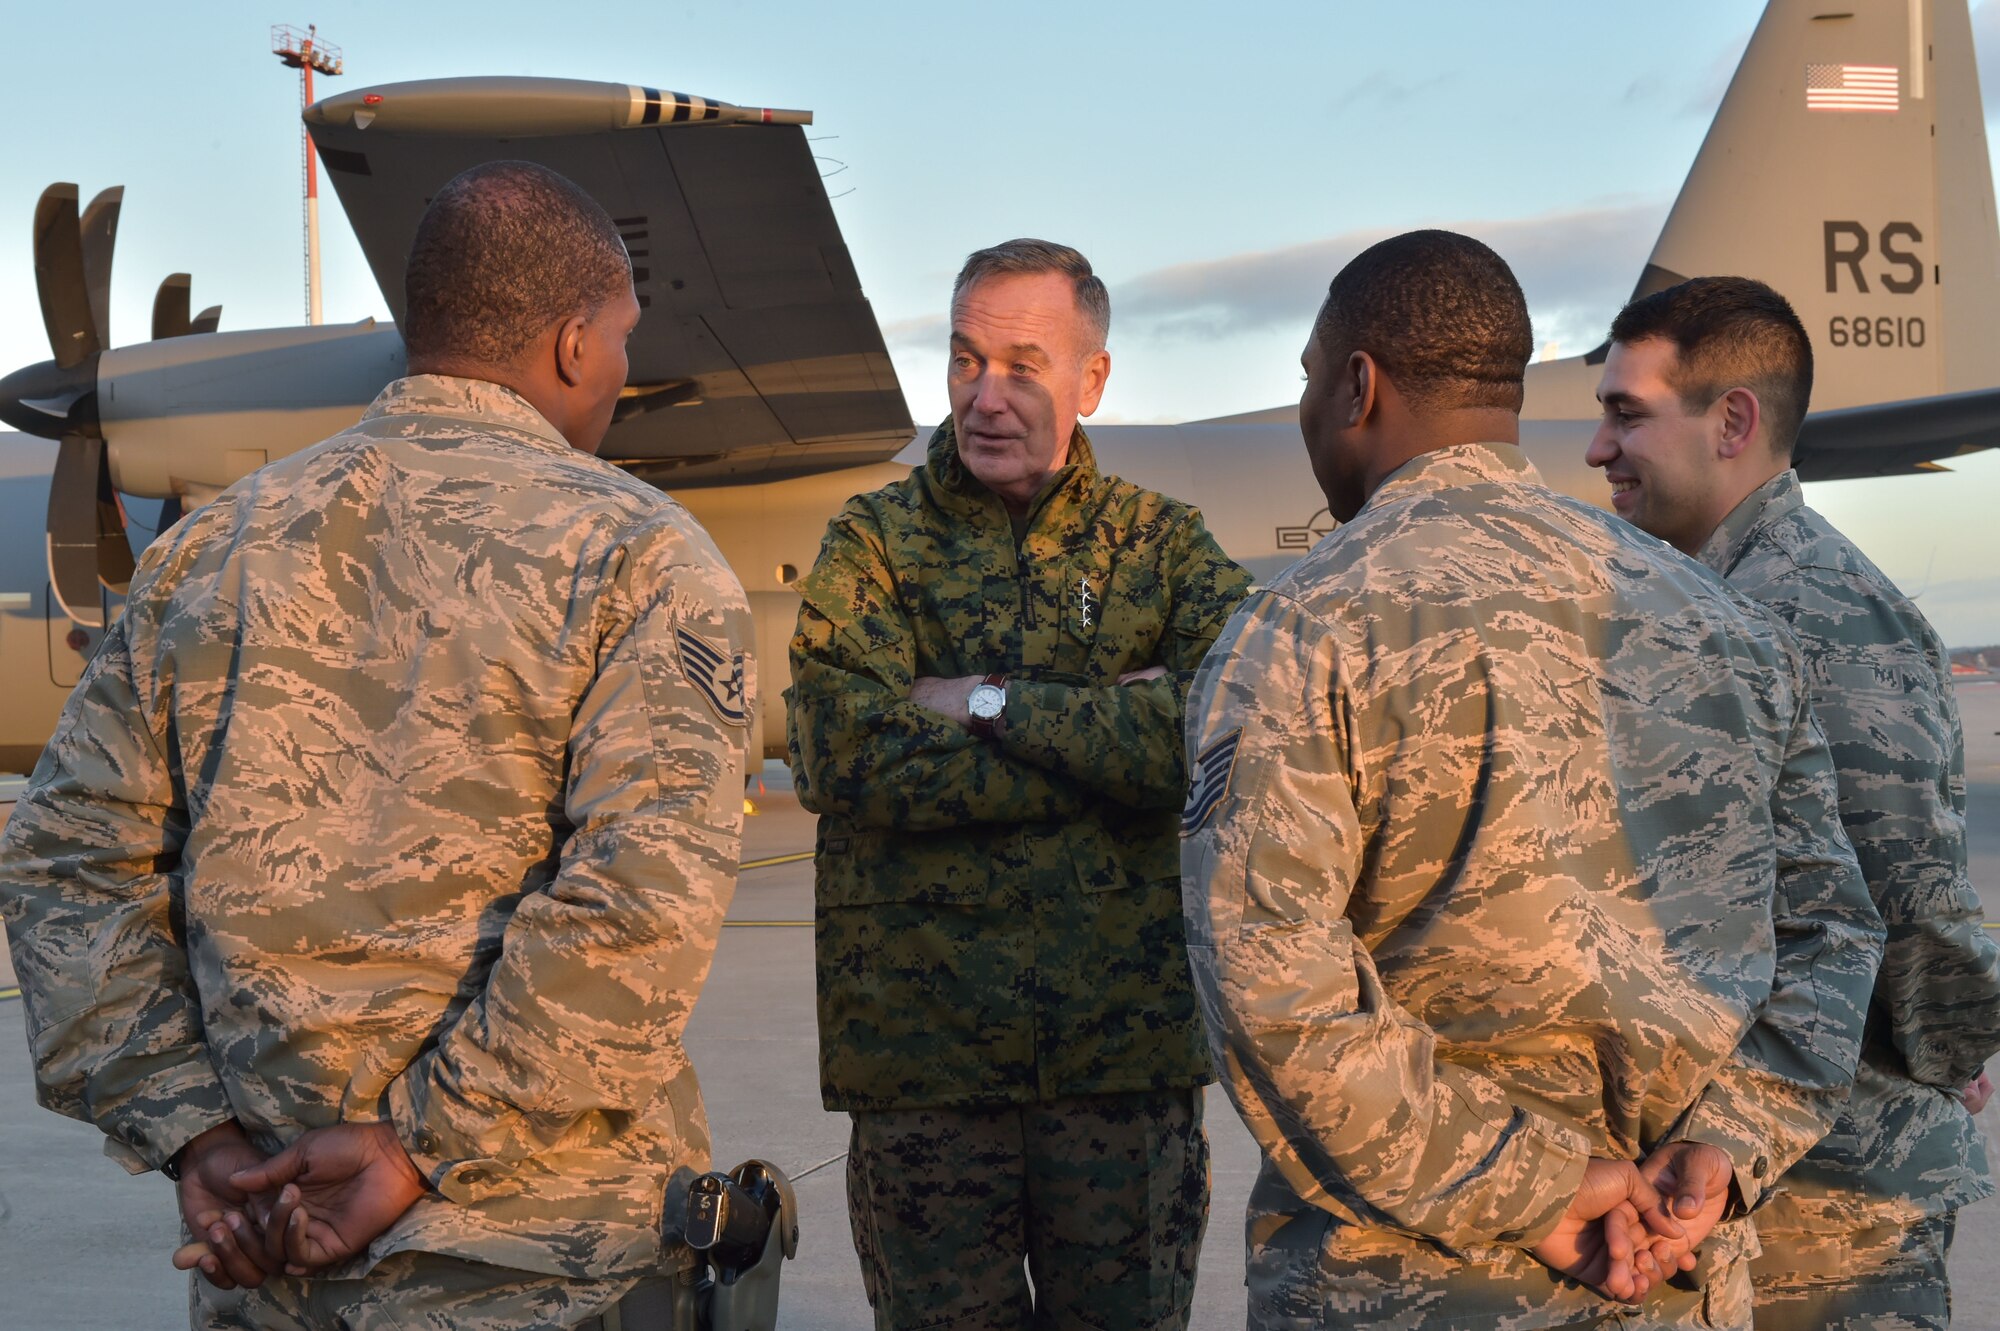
86	528
115	562
171	512
170	307
72	529
60	281
206	321
99	230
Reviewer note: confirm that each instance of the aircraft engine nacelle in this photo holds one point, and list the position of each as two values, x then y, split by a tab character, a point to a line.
174	426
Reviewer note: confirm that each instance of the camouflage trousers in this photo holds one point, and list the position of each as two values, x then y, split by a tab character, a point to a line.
1888	1277
408	1290
1103	1197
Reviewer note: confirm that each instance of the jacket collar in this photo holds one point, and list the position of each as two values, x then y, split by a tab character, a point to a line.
1451	468
954	482
1764	505
475	400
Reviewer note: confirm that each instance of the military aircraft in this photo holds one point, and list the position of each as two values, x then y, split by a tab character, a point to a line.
1847	166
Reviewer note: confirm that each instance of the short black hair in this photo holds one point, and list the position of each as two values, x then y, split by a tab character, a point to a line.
1730	332
505	250
1442	315
1028	257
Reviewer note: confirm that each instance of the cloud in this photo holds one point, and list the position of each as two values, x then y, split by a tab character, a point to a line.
928	330
1576	266
1383	88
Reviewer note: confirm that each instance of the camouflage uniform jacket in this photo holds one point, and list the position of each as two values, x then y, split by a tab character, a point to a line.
999	922
1511	842
1881	687
407	788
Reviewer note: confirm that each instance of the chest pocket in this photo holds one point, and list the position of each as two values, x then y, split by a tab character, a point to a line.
1132	622
1094	618
1058	618
948	588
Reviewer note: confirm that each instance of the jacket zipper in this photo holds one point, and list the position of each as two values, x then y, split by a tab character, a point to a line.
1021	569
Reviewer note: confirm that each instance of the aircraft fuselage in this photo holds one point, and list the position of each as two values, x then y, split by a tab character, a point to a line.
164	405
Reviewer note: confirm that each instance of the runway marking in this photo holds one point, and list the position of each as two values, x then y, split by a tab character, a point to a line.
6	994
776	859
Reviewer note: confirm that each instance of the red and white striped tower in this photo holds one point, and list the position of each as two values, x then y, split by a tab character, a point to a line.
305	52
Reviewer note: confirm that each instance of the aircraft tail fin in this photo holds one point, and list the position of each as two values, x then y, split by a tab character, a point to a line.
1847	167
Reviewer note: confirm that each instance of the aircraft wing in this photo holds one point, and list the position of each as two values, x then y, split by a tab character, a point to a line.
1885	438
1847	443
756	356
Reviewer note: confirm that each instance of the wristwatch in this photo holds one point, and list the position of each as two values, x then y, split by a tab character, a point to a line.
988	701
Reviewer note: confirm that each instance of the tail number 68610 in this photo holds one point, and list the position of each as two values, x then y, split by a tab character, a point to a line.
1881	331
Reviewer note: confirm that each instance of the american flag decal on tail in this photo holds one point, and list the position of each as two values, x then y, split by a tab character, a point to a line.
1212	770
1853	88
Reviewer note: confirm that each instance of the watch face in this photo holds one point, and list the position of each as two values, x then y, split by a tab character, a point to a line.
987	702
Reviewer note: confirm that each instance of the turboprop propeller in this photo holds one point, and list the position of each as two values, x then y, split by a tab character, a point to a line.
57	399
170	310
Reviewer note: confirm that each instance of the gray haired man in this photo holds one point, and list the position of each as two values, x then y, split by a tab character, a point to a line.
988	681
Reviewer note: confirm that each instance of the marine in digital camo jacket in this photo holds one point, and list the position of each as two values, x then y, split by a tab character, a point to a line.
1881	686
1497	803
407	788
999	923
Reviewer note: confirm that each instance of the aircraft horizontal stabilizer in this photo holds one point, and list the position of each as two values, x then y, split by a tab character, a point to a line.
757	355
1887	438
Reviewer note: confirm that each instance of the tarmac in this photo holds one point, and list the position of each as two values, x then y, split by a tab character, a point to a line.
82	1244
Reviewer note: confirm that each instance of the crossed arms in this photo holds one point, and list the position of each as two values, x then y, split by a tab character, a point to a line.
875	741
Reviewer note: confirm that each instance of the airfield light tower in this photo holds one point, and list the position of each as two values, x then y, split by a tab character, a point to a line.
305	52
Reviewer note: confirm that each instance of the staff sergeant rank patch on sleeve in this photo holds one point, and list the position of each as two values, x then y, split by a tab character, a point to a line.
718	675
1212	770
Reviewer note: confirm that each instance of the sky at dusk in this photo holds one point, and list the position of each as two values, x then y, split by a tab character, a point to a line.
1215	162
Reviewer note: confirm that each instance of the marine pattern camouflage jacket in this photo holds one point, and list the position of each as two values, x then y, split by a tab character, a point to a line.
1881	687
999	922
1512	842
407	788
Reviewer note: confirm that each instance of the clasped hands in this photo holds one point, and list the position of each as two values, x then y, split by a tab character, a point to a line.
319	1201
1631	1226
